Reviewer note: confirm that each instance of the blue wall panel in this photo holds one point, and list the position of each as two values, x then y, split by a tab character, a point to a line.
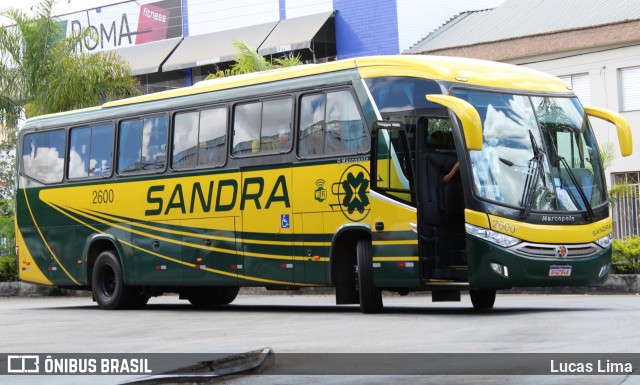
366	27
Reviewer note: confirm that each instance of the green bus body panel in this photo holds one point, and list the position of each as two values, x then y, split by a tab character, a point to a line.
527	271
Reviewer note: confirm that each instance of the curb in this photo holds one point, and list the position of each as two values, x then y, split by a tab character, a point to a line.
616	284
202	372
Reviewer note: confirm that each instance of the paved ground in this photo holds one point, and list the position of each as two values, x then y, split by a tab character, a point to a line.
301	324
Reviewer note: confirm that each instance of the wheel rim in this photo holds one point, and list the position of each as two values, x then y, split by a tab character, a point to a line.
108	281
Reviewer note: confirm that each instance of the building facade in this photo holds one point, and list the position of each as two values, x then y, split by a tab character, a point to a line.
174	43
594	45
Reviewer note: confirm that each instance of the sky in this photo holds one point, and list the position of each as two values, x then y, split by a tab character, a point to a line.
61	7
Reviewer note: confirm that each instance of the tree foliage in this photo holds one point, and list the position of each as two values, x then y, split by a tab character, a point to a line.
608	154
249	60
41	72
626	255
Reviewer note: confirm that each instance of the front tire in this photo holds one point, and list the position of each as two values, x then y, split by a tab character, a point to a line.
482	299
107	284
370	295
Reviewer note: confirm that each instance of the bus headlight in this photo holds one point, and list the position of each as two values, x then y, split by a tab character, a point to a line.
605	241
491	236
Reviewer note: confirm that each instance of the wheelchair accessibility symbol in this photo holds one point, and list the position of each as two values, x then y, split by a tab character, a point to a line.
284	221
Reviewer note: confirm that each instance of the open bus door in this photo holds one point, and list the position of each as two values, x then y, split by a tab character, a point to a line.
440	201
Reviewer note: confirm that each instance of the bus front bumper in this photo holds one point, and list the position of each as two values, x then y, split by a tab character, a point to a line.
491	266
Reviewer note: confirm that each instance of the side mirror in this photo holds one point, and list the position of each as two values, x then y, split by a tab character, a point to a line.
468	115
624	132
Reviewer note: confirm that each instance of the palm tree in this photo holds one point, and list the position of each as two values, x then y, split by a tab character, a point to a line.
249	60
41	72
608	154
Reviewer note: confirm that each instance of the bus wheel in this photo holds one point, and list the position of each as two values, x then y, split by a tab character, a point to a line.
108	285
228	295
138	301
370	295
214	296
482	299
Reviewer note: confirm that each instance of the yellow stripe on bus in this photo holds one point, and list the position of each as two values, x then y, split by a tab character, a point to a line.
215	271
29	269
542	233
35	224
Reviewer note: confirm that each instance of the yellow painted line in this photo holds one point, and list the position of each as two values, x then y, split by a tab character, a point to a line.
24	190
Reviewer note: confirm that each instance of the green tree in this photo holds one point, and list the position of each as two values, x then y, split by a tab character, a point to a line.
608	154
249	60
41	71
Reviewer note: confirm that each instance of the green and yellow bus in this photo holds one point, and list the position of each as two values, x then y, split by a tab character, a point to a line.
395	173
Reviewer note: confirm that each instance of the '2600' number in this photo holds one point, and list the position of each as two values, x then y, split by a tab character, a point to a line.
503	227
103	196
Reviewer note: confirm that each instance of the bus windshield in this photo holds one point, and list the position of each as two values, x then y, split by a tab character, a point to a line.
539	153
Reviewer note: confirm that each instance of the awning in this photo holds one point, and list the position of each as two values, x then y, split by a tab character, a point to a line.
217	47
301	33
147	58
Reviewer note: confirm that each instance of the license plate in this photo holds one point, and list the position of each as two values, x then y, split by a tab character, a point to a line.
560	271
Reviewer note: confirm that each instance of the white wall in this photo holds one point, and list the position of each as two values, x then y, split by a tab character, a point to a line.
297	8
206	16
603	70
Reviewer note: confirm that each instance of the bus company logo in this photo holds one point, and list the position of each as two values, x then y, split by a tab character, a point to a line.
320	193
23	364
561	251
352	191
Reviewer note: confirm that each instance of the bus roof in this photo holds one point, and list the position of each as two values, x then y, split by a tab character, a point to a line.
450	69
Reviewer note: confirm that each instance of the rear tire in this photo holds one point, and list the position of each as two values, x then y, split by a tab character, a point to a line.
370	295
482	299
107	284
228	295
212	296
138	301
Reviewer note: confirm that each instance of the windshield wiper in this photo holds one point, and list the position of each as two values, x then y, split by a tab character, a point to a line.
574	180
535	170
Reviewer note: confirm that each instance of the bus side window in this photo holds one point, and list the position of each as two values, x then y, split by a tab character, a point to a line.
79	146
90	151
276	125
199	138
331	124
344	130
185	140
101	153
129	146
246	128
262	127
311	138
212	142
43	155
154	143
143	144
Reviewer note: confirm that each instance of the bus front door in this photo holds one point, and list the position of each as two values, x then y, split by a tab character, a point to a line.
441	202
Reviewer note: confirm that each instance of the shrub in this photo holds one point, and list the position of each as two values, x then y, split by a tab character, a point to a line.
626	255
8	269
